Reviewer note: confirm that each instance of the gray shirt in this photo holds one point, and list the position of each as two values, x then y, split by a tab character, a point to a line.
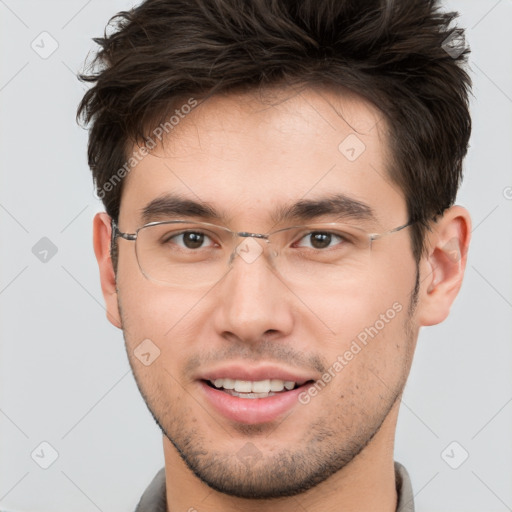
154	500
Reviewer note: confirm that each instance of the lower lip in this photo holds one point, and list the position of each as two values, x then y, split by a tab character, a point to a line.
251	410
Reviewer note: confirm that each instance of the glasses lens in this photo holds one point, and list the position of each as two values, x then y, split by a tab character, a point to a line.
199	254
322	255
183	254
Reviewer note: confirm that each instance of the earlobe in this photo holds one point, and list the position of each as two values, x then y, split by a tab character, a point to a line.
102	232
442	268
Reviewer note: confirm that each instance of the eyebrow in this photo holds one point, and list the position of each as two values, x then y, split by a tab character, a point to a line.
337	206
175	206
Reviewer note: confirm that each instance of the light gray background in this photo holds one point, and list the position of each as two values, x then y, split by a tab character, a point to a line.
64	375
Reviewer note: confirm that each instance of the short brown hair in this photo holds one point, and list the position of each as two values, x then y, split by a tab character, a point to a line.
395	53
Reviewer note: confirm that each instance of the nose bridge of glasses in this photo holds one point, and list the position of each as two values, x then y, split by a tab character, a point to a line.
248	248
247	234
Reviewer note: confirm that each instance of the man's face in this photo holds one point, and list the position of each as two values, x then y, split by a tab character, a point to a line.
248	161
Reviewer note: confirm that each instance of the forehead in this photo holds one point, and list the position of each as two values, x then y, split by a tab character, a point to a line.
250	154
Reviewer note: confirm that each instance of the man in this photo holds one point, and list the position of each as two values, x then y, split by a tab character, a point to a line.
279	180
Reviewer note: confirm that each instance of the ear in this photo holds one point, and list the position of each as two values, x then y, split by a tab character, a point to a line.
442	268
102	232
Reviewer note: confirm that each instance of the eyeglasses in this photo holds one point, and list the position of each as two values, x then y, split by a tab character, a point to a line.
185	253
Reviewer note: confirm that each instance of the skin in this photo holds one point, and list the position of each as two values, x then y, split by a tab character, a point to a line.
246	156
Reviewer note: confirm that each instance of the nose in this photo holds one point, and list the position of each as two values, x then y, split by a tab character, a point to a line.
253	303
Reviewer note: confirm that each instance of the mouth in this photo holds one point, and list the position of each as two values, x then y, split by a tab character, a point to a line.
254	389
253	396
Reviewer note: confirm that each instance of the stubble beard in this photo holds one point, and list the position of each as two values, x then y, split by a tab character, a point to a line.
248	472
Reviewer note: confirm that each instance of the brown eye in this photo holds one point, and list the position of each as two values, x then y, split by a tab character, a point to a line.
193	240
189	240
320	240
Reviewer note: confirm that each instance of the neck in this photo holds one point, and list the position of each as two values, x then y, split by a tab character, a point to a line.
366	484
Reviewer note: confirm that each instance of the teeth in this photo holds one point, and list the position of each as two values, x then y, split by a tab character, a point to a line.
243	386
228	384
259	386
276	385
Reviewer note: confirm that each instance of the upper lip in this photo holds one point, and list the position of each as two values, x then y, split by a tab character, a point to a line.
241	371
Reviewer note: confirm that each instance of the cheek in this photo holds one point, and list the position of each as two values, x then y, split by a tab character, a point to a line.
365	336
148	309
166	321
342	314
156	311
